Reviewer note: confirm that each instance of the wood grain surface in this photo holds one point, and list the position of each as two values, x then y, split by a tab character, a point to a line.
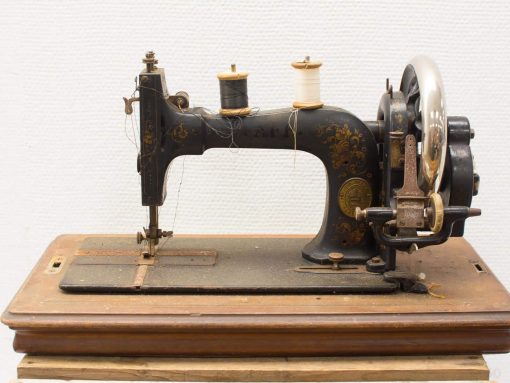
366	369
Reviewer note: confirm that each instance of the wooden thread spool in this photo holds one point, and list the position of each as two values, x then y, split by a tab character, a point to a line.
307	84
234	93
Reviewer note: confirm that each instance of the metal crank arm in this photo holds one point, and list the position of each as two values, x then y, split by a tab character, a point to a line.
398	228
380	217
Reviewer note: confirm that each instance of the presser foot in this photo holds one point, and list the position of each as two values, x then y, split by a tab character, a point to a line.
151	244
151	236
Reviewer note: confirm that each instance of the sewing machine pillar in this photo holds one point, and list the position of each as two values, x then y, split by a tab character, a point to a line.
156	148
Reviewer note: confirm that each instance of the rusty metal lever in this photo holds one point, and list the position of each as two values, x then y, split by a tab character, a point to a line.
128	104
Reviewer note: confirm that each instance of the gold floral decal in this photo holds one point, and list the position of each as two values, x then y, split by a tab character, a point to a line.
347	149
179	133
350	234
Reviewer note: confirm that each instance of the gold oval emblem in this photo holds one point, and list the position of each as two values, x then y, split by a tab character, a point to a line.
353	193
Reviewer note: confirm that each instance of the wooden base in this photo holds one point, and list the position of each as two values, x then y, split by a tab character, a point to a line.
365	369
472	318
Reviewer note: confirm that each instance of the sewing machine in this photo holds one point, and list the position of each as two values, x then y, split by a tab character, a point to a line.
390	181
399	190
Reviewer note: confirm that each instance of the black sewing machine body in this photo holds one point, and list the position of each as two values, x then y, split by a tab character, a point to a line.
339	139
377	201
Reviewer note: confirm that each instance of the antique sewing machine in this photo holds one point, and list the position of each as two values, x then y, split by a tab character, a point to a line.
389	181
399	190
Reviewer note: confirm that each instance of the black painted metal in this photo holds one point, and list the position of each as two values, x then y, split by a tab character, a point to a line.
458	184
242	267
393	113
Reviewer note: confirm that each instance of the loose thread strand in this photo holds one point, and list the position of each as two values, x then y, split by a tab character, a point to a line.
293	126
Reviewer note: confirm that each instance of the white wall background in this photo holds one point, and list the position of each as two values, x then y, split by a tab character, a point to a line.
66	165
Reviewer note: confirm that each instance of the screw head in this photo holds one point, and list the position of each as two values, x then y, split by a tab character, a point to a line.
335	257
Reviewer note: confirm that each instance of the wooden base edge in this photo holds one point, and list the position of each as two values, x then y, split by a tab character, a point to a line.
410	368
238	343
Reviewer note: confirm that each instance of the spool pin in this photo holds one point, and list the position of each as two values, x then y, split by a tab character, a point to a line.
234	93
307	84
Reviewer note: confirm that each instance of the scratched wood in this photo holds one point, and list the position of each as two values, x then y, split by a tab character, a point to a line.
363	369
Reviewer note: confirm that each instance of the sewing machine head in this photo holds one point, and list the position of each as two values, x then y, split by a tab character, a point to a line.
401	182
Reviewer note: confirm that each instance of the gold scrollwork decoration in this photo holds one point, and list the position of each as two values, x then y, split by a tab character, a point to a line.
347	149
350	234
179	133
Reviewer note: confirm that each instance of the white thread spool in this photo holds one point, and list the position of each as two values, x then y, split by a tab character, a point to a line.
307	84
